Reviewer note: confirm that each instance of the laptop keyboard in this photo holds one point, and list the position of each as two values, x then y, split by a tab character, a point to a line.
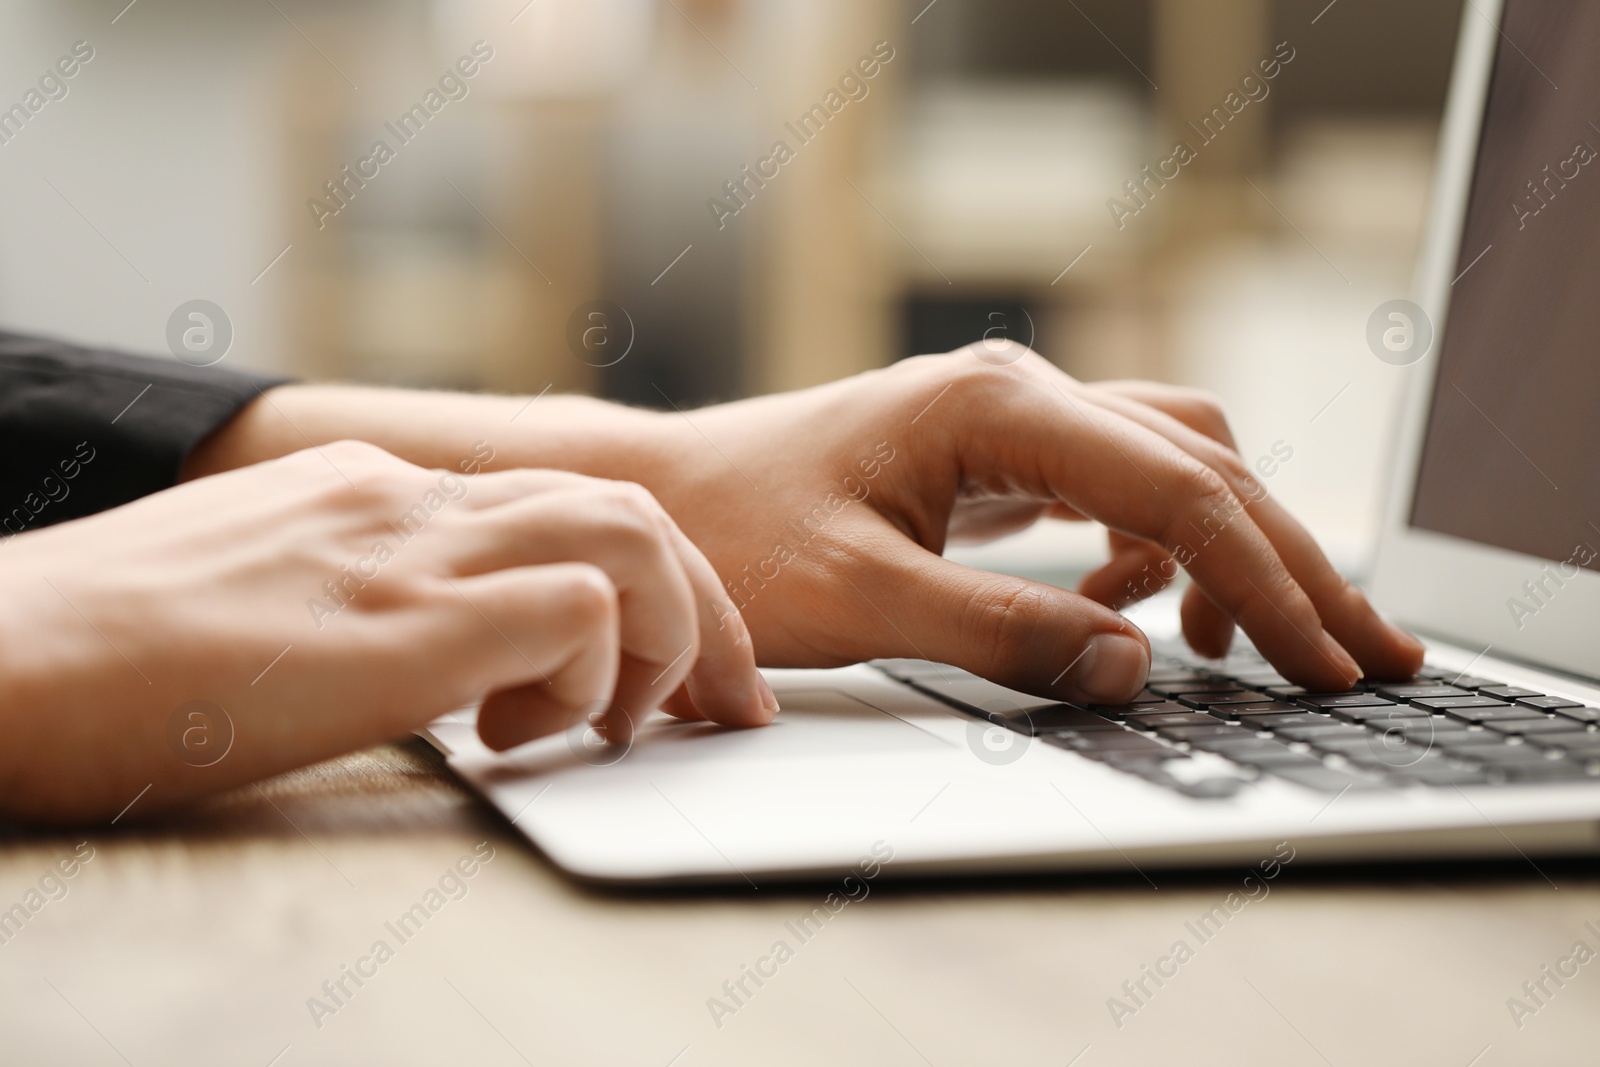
1211	728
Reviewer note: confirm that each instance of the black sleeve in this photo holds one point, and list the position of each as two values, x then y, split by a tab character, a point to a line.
82	430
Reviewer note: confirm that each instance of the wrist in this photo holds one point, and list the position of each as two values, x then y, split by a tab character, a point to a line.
444	430
583	435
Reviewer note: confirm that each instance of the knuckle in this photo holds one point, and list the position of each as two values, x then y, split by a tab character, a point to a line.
362	477
1201	485
1001	619
637	497
587	596
1346	596
959	377
1201	399
1233	467
975	380
1205	501
1204	410
1279	598
361	455
630	513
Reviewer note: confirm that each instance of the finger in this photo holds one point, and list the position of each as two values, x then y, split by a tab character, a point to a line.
1146	486
706	642
712	648
1382	649
492	488
1207	628
618	529
681	705
1137	569
1020	633
512	717
547	638
1195	409
724	685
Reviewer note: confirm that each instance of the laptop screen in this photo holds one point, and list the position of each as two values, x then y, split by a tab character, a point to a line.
1511	452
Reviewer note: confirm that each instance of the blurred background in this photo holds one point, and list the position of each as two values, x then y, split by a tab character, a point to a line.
552	220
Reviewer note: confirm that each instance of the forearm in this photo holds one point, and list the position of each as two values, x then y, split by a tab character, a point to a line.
442	430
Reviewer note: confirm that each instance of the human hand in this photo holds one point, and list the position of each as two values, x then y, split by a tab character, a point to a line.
826	511
264	591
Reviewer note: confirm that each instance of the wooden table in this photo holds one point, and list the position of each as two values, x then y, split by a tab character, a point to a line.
203	939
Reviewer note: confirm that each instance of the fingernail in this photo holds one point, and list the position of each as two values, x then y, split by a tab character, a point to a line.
1113	669
769	699
1341	659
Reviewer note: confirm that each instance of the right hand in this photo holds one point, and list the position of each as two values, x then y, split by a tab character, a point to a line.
547	593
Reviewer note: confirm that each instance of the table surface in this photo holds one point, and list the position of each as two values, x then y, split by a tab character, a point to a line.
207	938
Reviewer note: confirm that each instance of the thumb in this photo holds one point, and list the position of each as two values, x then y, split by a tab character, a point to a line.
1023	634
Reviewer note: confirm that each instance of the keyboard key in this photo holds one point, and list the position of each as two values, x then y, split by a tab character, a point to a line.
1214	788
1176	677
1154	770
1447	738
1123	742
1423	724
1447	703
1180	689
1439	774
1549	703
912	669
979	696
1296	692
1056	718
1342	742
1366	741
1583	714
1254	751
1185	718
1414	692
1460	735
1217	700
1379	758
1299	718
1542	725
1465	681
1585	743
1120	711
1492	713
1379	714
1314	733
1321	778
1326	701
1507	692
1197	733
1549	770
1501	754
1272	722
1271	707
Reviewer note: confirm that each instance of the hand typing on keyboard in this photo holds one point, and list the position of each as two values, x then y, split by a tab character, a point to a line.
826	512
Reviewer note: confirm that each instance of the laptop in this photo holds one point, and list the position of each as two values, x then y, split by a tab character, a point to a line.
1489	550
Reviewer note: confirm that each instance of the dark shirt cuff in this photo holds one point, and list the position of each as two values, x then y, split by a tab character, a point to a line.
82	429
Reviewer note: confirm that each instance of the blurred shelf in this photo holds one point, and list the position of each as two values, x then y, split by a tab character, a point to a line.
1006	183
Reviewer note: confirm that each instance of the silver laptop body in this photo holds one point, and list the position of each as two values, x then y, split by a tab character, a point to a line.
1483	553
